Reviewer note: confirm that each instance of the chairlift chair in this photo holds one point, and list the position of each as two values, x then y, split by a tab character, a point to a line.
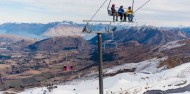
110	44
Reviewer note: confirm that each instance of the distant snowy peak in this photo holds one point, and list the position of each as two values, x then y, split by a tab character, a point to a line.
68	23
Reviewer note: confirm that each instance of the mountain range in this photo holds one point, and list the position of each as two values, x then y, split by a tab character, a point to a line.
43	31
127	35
146	35
59	43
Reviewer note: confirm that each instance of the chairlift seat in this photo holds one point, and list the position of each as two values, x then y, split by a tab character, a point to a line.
110	13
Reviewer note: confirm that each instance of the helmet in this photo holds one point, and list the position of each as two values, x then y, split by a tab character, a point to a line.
113	5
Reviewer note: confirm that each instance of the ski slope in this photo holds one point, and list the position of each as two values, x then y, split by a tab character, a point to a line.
130	83
147	66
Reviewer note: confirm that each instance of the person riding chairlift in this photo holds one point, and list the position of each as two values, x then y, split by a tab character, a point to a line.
71	68
114	12
129	13
121	13
65	68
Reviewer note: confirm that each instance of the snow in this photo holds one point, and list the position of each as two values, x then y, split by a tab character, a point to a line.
171	45
134	82
181	93
147	66
120	67
150	66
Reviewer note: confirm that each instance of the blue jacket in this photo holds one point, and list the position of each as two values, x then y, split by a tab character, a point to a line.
120	10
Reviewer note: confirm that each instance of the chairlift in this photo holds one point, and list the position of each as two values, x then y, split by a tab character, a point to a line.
86	29
68	68
116	14
111	29
110	44
113	12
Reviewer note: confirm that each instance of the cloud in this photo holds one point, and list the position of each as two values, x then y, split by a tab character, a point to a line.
167	11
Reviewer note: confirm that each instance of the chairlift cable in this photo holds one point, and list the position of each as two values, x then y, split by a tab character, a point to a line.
94	15
142	6
133	2
98	10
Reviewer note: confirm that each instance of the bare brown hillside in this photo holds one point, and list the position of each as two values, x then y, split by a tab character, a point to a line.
60	43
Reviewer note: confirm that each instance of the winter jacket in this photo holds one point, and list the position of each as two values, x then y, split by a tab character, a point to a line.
129	11
113	10
120	10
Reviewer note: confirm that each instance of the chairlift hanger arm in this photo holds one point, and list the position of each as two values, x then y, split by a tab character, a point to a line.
98	10
109	5
133	4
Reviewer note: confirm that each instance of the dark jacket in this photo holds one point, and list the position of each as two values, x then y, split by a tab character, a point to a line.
120	10
113	10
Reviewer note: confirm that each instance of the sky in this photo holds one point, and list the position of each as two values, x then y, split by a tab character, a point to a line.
156	12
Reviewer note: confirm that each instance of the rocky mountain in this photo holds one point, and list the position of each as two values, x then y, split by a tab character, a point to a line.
60	43
10	40
20	45
185	31
136	44
146	35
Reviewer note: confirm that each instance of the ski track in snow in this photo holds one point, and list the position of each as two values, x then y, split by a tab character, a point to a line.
134	82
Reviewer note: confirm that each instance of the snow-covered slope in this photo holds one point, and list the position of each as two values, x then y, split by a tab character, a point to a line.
125	83
171	45
147	66
182	93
